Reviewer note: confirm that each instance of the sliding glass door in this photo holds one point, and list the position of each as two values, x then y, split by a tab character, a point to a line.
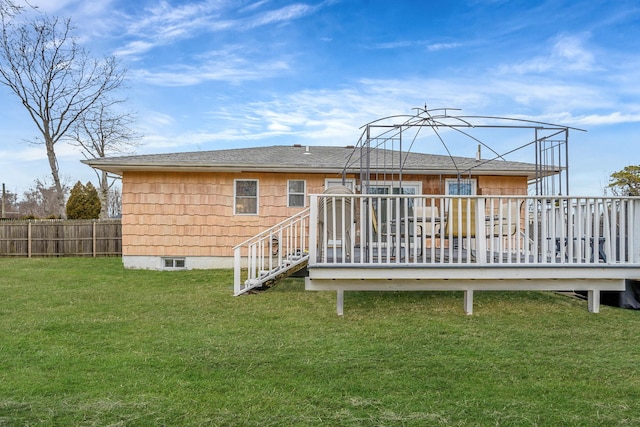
386	212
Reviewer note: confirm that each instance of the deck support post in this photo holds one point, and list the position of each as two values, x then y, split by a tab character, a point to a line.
593	297
340	302
468	301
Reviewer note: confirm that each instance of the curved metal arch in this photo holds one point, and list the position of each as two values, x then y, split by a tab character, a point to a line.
463	118
411	115
395	126
525	121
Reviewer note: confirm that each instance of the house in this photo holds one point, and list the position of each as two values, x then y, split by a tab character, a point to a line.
377	217
189	210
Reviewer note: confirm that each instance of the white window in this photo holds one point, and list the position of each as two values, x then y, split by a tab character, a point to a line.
461	187
169	263
350	183
296	193
246	197
386	187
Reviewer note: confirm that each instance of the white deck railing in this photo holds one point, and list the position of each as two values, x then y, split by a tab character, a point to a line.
271	252
474	230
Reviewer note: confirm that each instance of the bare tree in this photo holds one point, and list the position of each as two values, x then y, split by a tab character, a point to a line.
9	8
55	79
40	201
101	131
9	204
115	202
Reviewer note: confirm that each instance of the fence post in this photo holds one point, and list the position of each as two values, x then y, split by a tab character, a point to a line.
29	239
93	234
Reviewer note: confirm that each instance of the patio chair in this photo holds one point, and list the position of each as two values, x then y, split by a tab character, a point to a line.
381	234
408	227
461	219
339	222
505	224
429	218
503	227
461	222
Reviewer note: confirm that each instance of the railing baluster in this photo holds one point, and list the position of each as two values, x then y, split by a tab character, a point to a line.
622	231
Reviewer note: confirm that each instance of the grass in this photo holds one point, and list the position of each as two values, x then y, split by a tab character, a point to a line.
85	342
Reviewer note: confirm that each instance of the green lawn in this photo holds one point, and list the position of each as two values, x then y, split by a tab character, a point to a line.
85	342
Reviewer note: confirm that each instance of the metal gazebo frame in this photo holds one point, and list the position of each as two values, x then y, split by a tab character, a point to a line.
551	145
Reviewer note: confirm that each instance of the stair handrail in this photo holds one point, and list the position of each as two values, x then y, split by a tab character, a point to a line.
291	236
304	213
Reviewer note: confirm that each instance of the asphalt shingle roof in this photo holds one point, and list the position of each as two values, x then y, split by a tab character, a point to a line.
299	158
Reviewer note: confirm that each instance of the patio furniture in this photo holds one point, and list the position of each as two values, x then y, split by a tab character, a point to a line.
505	223
501	225
461	222
390	231
602	255
429	219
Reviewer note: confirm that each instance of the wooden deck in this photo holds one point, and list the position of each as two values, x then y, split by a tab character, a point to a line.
498	243
461	243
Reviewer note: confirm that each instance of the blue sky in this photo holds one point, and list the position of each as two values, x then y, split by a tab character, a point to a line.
206	75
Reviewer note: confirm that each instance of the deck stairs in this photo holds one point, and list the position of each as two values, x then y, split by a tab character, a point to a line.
272	255
270	278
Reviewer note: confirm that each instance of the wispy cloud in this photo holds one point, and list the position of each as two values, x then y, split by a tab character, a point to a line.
402	44
220	67
154	120
136	47
27	152
568	53
285	14
165	24
253	6
393	45
329	117
442	46
52	6
334	116
589	120
164	21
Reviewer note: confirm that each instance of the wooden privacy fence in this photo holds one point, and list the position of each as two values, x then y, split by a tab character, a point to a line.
56	238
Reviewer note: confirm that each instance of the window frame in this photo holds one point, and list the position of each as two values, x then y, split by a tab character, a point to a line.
350	183
303	194
177	263
394	187
235	197
472	181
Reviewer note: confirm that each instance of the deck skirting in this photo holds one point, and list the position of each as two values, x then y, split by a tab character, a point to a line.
592	279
